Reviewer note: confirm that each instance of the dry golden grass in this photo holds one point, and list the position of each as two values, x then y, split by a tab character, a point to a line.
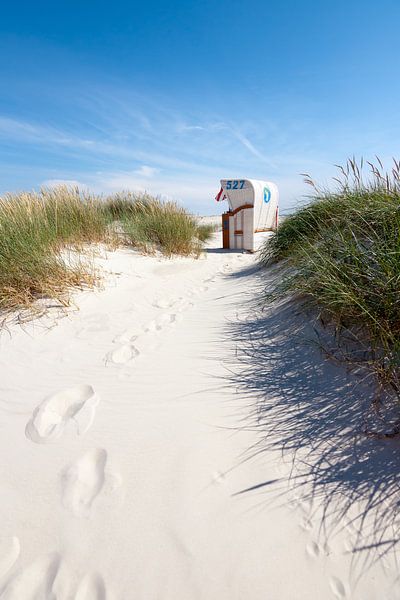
37	228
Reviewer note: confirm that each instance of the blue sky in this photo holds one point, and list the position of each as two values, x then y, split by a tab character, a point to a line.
172	96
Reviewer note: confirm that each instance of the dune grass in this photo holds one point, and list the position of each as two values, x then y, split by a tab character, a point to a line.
342	250
34	228
38	229
150	224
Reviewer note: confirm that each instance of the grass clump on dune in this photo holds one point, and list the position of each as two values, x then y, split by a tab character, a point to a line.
150	224
44	236
343	250
34	228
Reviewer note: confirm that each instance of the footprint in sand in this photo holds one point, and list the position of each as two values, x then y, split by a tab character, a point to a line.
166	302
158	324
166	320
129	334
34	582
218	477
51	417
301	504
91	588
161	322
151	327
338	588
178	304
9	552
83	481
144	344
122	354
183	304
314	550
306	524
227	268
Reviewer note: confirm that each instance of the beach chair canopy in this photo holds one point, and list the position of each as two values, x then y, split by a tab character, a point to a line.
263	196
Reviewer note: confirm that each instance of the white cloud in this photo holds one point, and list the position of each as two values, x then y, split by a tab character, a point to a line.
18	129
191	128
146	171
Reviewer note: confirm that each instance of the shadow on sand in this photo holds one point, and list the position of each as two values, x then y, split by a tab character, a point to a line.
311	410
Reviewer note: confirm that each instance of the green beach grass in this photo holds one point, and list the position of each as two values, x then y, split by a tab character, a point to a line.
37	228
342	253
150	224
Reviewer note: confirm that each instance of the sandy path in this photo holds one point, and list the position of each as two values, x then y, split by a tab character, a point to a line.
123	448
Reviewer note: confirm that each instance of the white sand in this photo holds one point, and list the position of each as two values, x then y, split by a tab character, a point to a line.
126	453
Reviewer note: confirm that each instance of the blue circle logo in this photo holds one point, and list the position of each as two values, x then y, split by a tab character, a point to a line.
267	195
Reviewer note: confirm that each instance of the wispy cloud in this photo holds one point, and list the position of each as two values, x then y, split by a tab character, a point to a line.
252	149
16	128
146	171
112	142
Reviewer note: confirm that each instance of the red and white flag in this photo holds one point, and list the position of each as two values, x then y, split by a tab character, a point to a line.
220	196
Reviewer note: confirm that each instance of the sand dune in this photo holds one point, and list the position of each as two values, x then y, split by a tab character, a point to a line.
130	464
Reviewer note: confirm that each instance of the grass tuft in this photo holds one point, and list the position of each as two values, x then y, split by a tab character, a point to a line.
343	254
152	225
34	228
41	231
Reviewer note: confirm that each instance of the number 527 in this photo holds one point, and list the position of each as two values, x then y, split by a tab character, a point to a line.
235	184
